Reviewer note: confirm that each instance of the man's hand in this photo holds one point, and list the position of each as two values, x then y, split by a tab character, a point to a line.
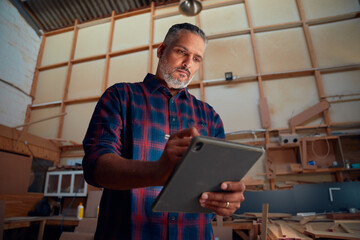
224	203
174	150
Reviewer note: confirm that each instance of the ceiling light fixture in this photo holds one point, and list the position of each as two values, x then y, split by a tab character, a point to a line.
190	7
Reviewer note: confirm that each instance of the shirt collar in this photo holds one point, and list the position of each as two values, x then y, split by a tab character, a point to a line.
154	84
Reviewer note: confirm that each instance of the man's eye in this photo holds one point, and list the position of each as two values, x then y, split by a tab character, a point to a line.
197	60
181	51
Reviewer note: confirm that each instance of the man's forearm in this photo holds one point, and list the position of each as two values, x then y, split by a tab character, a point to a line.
115	172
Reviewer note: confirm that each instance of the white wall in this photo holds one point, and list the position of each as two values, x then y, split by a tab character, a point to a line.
19	46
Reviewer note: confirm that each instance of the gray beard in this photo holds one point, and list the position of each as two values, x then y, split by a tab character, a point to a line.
172	82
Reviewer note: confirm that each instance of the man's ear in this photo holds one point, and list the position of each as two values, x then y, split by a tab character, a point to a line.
160	50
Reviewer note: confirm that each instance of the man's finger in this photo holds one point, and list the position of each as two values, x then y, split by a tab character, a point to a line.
189	132
233	186
223	196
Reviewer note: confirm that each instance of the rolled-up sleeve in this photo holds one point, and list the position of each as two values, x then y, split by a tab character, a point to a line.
103	133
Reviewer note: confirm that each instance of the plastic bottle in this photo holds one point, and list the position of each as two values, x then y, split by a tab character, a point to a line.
80	211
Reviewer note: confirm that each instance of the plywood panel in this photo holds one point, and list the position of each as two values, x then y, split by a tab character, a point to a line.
57	48
283	50
86	79
315	9
223	19
14	173
128	68
232	54
342	83
77	121
92	40
237	105
272	12
288	97
345	112
337	43
162	25
131	32
46	129
50	86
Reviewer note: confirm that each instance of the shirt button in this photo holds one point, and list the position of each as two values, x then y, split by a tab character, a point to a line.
172	219
173	119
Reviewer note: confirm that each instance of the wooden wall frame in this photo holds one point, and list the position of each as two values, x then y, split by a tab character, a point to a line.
202	83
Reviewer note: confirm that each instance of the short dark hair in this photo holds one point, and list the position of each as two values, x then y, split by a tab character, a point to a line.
175	29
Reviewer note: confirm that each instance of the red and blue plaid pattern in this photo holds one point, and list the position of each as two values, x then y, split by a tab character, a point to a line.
132	119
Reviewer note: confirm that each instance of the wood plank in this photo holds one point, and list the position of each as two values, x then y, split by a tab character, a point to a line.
68	77
38	64
309	113
151	38
52	66
40	147
18	205
108	51
128	51
264	222
264	112
88	59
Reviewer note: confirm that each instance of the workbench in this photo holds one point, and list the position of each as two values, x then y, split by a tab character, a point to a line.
23	222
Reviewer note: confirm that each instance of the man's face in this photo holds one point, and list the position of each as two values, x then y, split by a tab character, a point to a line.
179	61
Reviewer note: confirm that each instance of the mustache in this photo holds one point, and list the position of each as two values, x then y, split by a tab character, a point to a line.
183	68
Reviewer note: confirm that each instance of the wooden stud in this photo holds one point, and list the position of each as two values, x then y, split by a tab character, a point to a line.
229	34
313	59
59	31
264	112
68	77
133	13
82	100
130	50
88	59
264	220
38	64
201	68
108	51
151	38
52	66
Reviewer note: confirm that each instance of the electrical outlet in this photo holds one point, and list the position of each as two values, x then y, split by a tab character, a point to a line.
288	138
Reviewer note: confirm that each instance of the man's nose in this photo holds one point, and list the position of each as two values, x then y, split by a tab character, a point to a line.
187	62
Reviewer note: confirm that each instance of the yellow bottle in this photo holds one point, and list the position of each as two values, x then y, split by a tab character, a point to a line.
80	211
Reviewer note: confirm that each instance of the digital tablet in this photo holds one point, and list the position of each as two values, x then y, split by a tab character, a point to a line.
205	165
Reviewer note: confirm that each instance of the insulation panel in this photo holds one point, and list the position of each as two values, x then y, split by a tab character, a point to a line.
289	96
128	68
237	105
86	79
232	54
57	48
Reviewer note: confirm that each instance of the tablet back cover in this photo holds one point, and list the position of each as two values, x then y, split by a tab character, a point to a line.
207	163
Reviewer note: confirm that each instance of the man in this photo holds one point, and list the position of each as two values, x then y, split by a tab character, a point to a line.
128	154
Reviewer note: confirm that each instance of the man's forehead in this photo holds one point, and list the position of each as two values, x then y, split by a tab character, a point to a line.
191	42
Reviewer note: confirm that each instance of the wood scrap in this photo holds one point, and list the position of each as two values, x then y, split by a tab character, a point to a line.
307	219
270	215
333	227
287	232
346	229
334	235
